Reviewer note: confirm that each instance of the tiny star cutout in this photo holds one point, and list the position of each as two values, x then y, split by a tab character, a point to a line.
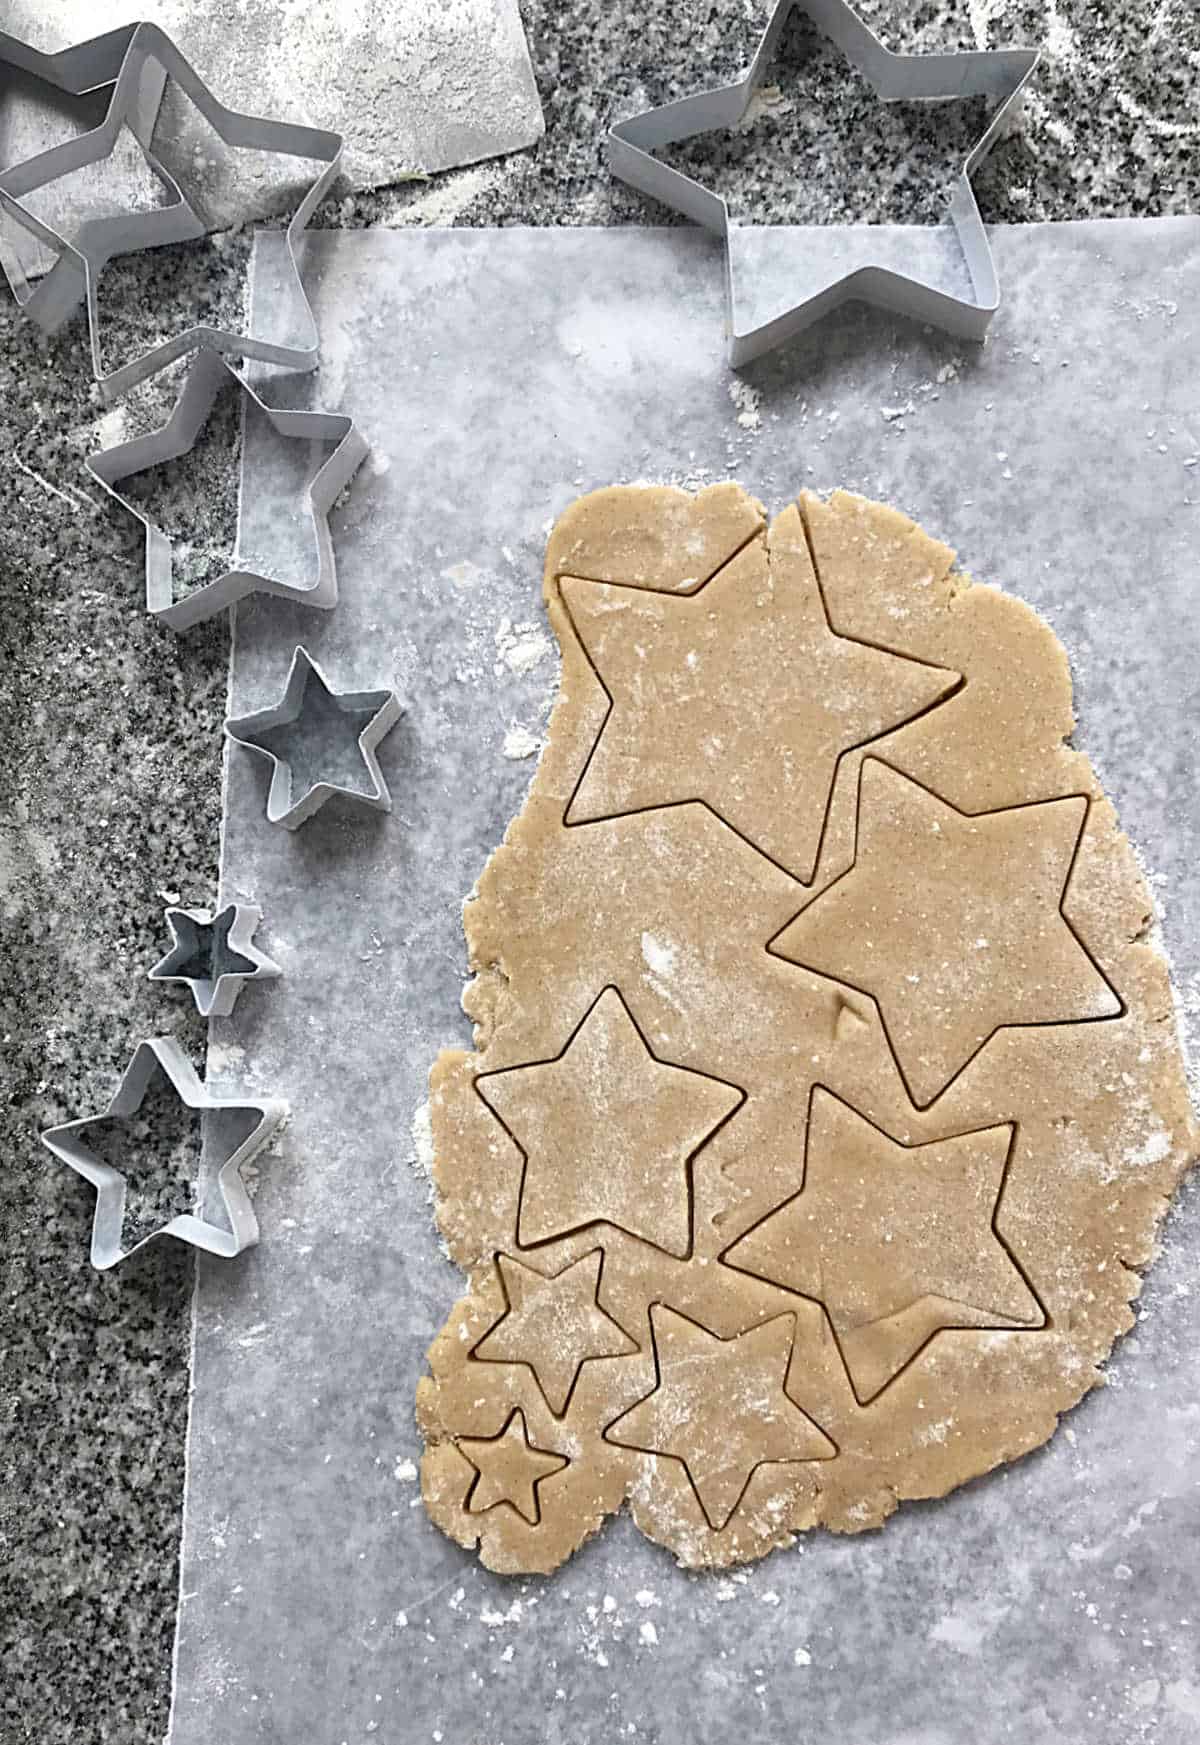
508	1469
896	1241
721	1408
766	761
553	1323
952	922
608	1132
215	955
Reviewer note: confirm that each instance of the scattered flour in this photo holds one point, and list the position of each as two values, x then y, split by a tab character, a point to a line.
648	1634
406	1471
746	399
520	647
802	1657
519	742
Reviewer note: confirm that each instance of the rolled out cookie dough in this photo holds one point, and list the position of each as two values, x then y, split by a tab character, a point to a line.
827	1093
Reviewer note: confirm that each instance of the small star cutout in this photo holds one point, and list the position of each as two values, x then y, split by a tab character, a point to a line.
740	695
160	1055
319	742
509	1469
553	1323
953	923
721	1407
608	1132
215	956
896	1241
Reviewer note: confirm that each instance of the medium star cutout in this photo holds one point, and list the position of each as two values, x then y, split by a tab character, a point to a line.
215	955
1000	74
721	1407
160	1055
896	1241
553	1323
319	742
741	695
509	1469
208	376
608	1132
953	923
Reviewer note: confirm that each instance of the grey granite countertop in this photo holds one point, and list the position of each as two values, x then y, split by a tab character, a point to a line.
110	728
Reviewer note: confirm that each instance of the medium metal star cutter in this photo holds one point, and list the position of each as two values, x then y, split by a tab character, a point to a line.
215	956
1000	74
159	1054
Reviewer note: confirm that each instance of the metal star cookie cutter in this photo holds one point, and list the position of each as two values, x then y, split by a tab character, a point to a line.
82	258
999	73
283	807
161	1053
223	943
205	379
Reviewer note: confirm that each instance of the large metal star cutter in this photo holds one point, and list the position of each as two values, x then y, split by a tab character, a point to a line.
309	714
151	57
207	376
215	956
1000	74
67	1142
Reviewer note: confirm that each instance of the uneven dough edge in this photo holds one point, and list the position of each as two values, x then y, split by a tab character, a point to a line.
1109	906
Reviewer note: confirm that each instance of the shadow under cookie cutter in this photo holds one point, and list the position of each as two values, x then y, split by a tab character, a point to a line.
205	379
380	710
222	946
999	73
82	258
161	1053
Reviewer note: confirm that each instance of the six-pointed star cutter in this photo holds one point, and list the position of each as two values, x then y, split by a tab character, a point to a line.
147	61
997	73
161	1054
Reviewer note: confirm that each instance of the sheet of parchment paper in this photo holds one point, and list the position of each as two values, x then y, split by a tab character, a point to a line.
413	87
498	375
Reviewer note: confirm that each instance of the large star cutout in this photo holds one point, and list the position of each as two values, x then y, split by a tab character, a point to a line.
1000	74
740	695
319	742
721	1407
608	1132
896	1241
509	1469
953	923
155	1057
215	955
554	1324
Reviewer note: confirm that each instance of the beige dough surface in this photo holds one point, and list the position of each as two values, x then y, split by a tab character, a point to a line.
827	1093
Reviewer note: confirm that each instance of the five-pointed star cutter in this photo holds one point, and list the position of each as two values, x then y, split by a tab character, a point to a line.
149	59
206	378
215	956
379	712
161	1054
1000	74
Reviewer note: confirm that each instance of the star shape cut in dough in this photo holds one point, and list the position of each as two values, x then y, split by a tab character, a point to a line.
215	955
160	1055
721	1407
509	1468
740	695
608	1132
554	1324
634	147
953	923
896	1241
319	742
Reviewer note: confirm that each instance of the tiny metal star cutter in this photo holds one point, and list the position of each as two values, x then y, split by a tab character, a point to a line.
215	956
1001	74
379	712
161	1053
207	376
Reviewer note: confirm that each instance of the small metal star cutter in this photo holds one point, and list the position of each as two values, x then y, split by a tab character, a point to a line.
161	1053
1001	74
149	59
215	956
284	806
205	379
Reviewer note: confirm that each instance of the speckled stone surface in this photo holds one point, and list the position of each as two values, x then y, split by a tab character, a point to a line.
109	773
